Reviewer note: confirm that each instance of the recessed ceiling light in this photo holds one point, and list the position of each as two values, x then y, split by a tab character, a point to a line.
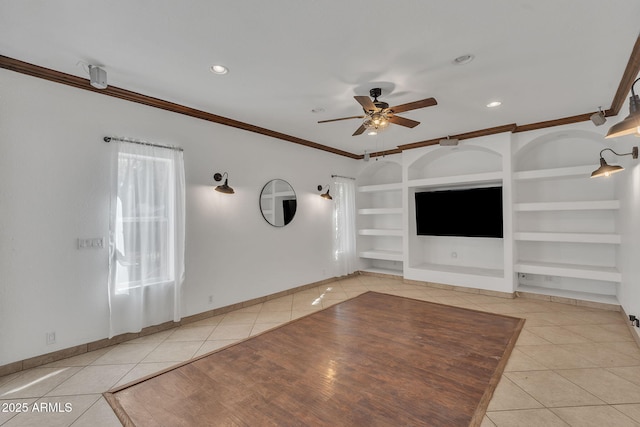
493	104
463	59
318	110
219	69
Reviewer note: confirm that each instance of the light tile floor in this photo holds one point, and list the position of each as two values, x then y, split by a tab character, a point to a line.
572	366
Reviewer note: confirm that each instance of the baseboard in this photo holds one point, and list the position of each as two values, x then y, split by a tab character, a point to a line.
107	342
476	291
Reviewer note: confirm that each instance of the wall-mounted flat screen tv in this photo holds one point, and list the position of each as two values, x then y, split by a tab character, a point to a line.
471	212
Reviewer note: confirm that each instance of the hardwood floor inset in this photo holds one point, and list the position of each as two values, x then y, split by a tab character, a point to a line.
374	360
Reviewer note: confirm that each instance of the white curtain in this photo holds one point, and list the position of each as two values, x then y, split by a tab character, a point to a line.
146	238
344	221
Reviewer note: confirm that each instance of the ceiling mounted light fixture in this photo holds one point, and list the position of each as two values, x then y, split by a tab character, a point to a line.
606	169
326	195
598	118
219	69
631	124
224	188
494	104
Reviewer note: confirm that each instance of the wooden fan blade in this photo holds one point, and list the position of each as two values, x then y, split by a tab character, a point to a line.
343	118
366	103
359	131
403	121
414	105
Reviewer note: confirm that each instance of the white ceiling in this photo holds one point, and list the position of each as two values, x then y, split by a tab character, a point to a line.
544	59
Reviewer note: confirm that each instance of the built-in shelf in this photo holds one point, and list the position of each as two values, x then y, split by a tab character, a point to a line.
568	237
477	178
382	255
380	211
379	232
461	269
608	274
386	271
568	206
564	293
568	172
380	187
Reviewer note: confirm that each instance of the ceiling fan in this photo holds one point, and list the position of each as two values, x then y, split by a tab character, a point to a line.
378	114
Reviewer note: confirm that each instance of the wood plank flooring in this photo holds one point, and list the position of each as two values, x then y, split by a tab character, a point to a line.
374	360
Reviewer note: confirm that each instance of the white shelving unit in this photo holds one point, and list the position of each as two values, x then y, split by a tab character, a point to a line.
565	224
568	237
567	206
380	230
485	178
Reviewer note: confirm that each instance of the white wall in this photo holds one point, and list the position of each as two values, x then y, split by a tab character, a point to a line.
629	256
54	186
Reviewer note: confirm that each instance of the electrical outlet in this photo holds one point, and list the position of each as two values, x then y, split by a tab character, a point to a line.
96	242
50	337
210	299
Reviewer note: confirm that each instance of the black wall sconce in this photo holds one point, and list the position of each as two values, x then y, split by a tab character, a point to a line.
325	195
224	188
605	169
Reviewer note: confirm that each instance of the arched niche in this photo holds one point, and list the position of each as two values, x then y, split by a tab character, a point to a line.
380	172
560	149
451	161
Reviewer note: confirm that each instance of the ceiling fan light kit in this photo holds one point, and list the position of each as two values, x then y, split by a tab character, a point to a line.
378	115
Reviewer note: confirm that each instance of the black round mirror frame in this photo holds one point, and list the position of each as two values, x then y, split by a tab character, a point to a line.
278	202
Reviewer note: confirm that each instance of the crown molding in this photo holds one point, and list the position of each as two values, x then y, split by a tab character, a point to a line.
116	92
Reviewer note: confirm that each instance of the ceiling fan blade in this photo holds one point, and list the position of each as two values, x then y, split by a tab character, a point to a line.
366	103
414	105
403	121
359	131
343	118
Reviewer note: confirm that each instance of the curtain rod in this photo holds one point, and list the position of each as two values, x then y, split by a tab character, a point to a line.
135	141
340	176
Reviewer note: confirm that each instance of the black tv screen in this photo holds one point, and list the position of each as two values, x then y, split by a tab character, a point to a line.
473	212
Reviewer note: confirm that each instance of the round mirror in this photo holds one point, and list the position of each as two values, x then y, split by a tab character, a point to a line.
278	202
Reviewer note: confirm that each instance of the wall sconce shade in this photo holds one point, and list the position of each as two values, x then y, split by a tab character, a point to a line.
224	188
606	169
325	195
631	124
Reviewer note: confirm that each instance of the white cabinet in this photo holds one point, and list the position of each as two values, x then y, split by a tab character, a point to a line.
380	231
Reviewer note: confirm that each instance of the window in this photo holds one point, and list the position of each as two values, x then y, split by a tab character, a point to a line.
144	228
146	240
